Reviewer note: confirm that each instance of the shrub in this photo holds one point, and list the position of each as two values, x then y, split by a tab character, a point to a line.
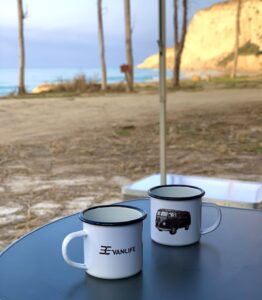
78	84
247	49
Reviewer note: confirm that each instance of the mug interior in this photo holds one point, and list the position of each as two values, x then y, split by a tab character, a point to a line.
178	192
112	215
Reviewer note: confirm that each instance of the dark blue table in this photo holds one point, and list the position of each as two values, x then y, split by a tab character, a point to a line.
226	264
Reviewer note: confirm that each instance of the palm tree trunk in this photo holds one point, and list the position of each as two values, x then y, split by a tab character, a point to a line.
129	51
101	44
175	79
21	85
237	33
179	45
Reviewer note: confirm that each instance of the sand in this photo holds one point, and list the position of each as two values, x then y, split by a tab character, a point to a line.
31	119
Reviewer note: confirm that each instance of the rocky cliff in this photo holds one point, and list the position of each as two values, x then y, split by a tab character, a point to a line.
211	36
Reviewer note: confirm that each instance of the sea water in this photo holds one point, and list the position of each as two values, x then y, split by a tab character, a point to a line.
35	76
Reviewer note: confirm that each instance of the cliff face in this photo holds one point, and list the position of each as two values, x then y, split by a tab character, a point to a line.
211	36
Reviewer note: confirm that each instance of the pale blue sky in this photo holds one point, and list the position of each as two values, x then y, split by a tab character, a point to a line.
63	33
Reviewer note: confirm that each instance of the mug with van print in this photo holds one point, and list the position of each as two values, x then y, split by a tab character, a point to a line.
112	241
176	214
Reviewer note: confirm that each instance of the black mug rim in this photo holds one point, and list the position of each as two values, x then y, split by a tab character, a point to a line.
122	223
153	195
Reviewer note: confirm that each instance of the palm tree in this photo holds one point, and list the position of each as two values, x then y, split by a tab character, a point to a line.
101	44
129	51
21	17
179	45
237	33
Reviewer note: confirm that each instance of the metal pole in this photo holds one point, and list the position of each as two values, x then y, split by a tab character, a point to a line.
162	87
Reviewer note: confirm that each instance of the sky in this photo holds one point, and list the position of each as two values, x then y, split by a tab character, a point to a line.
64	33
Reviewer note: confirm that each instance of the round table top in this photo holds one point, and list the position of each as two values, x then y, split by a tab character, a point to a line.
225	264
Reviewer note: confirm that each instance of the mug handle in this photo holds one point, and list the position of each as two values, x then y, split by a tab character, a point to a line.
218	220
65	243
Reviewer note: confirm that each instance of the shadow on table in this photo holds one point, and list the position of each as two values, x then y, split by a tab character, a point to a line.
95	288
180	270
166	270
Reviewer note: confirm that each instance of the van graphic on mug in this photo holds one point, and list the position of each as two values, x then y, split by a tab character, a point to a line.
171	220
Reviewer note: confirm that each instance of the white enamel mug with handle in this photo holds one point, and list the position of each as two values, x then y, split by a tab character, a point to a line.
112	237
175	212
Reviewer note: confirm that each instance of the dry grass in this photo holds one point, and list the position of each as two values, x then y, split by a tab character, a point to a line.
79	84
197	143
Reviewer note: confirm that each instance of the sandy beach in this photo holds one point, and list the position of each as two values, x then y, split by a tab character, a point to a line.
61	155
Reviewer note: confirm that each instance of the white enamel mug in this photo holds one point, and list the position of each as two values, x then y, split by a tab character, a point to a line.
112	241
176	214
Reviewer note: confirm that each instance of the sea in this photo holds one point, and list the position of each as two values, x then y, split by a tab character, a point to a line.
37	76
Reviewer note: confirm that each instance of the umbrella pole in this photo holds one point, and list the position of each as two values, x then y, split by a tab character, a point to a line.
162	88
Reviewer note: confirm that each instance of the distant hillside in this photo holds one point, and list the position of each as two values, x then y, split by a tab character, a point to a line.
210	39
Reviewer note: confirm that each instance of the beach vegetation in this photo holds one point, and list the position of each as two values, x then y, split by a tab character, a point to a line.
247	49
124	131
80	84
242	81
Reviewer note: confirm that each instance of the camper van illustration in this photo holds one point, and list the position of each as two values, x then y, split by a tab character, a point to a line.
171	220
